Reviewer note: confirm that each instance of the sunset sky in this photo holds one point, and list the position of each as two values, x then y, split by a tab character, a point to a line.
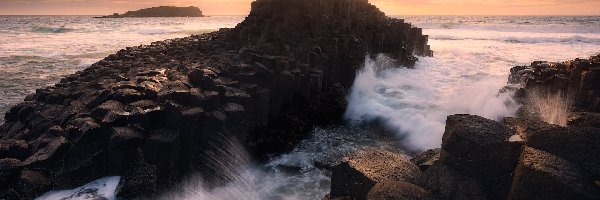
242	7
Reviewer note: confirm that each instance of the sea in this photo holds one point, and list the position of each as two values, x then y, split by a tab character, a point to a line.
469	69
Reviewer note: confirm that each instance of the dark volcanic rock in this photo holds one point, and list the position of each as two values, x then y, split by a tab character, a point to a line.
49	153
355	176
579	77
580	145
14	149
446	183
479	148
284	70
541	175
399	190
9	170
584	119
32	182
425	159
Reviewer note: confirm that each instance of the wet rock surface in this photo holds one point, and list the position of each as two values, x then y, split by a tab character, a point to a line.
480	148
542	175
579	79
398	190
446	183
149	113
357	175
522	157
427	158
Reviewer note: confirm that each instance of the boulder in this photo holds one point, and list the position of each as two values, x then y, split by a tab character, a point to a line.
355	176
427	158
128	95
542	175
524	125
446	183
584	119
12	148
399	190
126	137
32	183
480	148
51	152
9	170
580	145
107	107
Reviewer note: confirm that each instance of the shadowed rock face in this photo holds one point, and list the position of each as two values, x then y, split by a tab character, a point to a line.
480	148
150	113
542	175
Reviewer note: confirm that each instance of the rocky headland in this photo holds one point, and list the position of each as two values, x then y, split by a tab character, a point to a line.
160	11
151	113
551	150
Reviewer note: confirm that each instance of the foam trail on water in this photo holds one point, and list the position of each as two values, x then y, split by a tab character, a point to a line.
416	102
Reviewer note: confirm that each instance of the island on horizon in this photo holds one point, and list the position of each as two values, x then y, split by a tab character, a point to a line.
160	11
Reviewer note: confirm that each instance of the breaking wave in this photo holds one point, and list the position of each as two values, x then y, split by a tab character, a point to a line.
43	29
415	102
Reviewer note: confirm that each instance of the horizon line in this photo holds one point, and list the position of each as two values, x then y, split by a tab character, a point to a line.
386	15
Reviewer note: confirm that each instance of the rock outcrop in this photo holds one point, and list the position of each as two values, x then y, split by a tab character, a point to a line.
161	11
541	175
579	78
525	157
355	177
151	113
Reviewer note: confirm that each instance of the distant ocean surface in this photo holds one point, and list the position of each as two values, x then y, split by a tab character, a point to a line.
473	55
36	51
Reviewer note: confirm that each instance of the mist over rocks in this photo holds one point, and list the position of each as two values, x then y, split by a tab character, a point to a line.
522	157
151	114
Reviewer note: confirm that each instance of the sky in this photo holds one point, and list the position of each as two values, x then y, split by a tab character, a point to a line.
242	7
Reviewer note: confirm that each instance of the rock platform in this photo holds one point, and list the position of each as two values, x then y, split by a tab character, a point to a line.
151	113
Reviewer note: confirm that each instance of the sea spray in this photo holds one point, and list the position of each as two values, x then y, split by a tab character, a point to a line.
415	102
552	107
296	175
104	188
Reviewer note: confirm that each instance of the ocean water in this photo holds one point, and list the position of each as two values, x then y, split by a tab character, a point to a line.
471	63
36	51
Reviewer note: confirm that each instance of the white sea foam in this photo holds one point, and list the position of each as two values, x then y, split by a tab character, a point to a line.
289	176
415	102
473	56
104	188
